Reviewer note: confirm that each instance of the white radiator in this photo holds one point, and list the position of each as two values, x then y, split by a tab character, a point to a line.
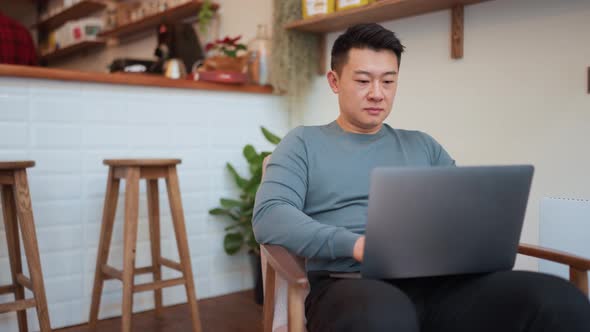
564	224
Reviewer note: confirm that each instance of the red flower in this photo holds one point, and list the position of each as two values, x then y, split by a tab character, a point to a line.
235	40
228	41
209	47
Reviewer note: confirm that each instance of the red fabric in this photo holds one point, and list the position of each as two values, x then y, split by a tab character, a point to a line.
16	44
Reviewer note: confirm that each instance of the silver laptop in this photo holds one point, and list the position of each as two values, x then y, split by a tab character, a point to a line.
444	220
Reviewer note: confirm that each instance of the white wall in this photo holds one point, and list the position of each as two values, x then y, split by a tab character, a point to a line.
69	128
518	96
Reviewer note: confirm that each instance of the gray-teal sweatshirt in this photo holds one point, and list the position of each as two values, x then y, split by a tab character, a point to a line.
313	198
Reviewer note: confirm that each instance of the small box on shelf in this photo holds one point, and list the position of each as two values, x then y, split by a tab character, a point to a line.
347	4
317	7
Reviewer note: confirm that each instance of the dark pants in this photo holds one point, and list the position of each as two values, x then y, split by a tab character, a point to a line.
511	301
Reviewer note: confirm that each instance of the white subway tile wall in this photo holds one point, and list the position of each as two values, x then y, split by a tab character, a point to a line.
69	128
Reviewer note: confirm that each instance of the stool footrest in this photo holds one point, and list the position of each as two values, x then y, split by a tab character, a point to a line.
158	285
8	289
17	305
170	264
24	281
144	270
112	273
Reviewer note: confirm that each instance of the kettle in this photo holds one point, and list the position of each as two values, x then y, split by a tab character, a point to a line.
174	68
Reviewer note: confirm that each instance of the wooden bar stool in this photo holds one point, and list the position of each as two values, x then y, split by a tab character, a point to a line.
132	170
18	212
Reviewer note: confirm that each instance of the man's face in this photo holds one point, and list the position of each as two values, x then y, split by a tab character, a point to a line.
366	89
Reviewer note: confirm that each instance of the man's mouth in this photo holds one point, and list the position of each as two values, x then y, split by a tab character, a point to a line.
373	110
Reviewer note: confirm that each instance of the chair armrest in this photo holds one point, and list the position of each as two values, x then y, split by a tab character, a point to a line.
577	262
287	265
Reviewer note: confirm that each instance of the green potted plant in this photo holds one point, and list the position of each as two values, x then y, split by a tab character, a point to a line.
239	211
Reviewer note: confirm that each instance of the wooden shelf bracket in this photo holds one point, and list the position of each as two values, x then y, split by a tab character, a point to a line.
457	36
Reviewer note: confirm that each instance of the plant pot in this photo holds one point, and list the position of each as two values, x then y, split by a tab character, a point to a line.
226	63
257	273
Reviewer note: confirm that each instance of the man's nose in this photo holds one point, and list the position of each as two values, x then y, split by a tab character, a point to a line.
375	92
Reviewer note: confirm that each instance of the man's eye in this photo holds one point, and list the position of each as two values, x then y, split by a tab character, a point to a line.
362	81
388	82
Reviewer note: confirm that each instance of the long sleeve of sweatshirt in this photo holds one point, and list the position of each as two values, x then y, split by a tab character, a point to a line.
278	213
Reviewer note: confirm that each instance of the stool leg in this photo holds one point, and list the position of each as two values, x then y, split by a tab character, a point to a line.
27	226
154	220
12	239
182	242
129	243
102	256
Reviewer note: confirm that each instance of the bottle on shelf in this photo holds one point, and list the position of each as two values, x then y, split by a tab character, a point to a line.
259	57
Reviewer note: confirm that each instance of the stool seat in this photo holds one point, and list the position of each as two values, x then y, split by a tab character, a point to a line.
141	162
10	165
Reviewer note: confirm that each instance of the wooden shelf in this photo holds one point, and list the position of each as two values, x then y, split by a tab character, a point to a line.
379	11
125	79
385	10
79	10
72	49
151	22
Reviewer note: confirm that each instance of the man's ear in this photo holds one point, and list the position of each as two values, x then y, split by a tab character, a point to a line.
334	81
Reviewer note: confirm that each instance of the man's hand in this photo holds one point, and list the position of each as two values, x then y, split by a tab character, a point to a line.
358	250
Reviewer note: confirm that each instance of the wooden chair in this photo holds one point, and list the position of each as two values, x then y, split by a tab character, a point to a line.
132	171
18	213
282	268
286	284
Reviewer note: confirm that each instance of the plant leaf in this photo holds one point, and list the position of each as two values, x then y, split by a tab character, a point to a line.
240	181
224	212
274	139
252	186
250	153
230	203
255	166
233	242
240	224
218	212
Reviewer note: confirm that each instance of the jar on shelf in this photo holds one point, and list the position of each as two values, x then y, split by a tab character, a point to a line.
259	57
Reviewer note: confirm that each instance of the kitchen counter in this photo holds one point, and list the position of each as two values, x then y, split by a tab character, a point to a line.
124	79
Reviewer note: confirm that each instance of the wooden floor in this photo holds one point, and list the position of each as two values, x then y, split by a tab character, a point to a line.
230	313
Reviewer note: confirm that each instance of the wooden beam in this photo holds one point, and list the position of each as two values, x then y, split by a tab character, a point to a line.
580	279
158	285
8	289
268	308
17	306
6	178
144	270
24	281
457	31
112	273
295	307
170	264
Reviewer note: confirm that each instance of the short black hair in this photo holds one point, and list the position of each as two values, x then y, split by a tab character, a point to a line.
370	35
